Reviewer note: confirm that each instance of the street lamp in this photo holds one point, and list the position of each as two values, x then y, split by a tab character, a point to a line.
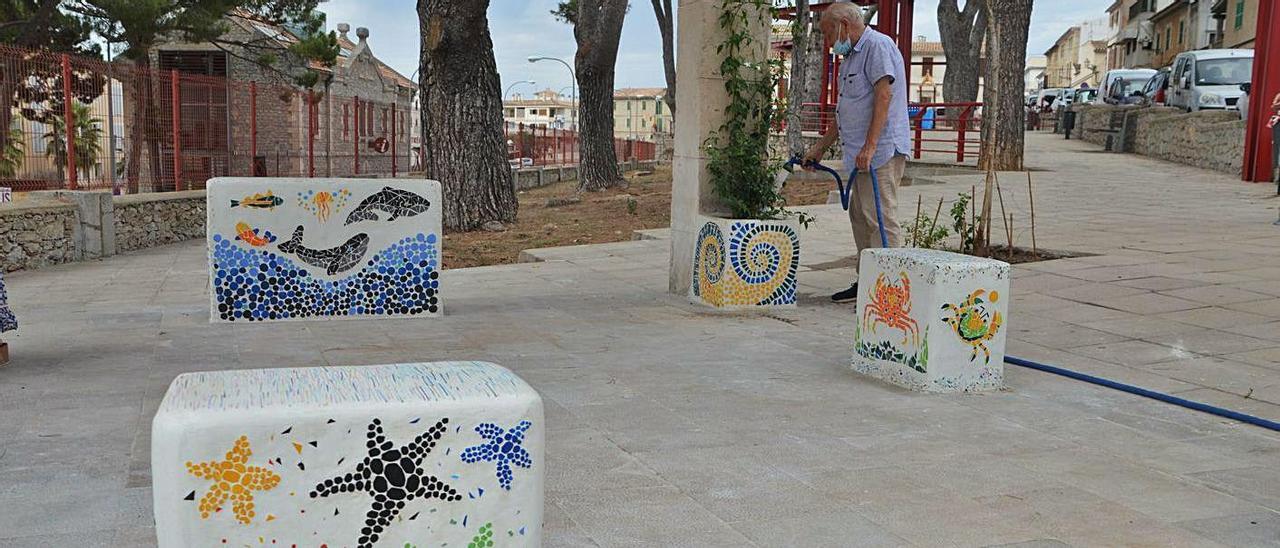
530	82
536	58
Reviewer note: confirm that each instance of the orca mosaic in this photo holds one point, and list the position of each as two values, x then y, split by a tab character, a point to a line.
378	258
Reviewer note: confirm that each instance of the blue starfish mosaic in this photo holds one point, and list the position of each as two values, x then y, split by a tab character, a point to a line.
260	285
503	448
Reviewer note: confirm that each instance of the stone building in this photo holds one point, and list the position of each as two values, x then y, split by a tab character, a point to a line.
341	127
1237	23
1132	40
641	114
1078	56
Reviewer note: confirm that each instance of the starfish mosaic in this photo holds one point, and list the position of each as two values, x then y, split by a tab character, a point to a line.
233	479
392	476
503	448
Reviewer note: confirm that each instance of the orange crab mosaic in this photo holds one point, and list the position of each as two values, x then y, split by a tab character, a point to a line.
890	304
233	479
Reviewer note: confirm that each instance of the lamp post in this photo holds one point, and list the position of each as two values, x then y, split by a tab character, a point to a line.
536	58
514	84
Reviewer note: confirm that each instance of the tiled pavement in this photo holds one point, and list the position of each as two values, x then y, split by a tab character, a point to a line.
669	425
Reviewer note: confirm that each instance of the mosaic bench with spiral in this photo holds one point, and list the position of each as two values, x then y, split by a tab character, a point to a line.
746	263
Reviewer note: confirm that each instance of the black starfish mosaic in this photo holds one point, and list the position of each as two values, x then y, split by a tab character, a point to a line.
392	476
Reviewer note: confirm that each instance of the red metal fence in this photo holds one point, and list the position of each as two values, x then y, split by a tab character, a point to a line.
540	145
949	128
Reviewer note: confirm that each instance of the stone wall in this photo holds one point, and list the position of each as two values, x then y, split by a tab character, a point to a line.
1207	139
37	233
149	220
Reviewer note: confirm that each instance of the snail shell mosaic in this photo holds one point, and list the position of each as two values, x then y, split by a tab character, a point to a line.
755	266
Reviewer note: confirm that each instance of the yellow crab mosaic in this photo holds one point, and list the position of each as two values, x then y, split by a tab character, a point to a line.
973	322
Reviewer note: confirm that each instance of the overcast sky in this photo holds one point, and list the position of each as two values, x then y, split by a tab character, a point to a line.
521	28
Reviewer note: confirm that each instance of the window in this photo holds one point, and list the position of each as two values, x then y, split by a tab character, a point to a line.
628	105
368	120
657	107
1239	14
926	68
1182	30
346	121
384	121
628	122
1168	34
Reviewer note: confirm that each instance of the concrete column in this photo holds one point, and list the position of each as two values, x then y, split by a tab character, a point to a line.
95	237
700	103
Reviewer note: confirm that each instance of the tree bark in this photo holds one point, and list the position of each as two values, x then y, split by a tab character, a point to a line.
597	31
666	25
962	34
1003	109
462	114
799	64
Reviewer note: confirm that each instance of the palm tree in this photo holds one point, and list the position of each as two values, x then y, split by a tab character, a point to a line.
12	155
88	135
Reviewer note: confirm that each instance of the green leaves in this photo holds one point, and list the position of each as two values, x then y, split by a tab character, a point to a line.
742	173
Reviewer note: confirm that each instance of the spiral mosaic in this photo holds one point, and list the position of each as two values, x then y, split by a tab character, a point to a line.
756	266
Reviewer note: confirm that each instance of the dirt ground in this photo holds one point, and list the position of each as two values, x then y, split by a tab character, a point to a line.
600	217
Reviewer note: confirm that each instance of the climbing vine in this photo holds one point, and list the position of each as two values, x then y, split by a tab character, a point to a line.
742	173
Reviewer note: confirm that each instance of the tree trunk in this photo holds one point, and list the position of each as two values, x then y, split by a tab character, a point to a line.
462	114
813	57
666	25
1003	122
598	29
962	34
798	80
138	128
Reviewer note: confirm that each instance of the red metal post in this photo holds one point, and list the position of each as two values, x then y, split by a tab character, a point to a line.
311	134
177	131
69	121
906	24
393	140
919	132
964	115
520	142
1266	84
253	129
355	135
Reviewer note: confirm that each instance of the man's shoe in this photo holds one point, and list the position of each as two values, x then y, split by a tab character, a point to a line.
846	296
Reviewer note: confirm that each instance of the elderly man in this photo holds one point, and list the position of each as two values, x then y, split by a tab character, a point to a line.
871	121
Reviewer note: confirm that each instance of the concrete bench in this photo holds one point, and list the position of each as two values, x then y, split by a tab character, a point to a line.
388	455
931	321
745	263
291	249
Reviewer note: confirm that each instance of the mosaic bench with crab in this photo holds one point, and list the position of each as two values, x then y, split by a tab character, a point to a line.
930	320
425	454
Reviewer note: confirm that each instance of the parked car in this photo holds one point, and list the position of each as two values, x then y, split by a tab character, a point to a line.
1124	86
1243	105
1156	92
1085	96
1048	99
1210	79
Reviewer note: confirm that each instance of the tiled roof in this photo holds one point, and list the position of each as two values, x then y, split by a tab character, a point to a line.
640	92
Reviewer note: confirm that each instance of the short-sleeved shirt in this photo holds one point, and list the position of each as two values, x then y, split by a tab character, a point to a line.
875	56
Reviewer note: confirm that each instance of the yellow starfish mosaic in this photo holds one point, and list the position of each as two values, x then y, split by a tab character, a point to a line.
233	479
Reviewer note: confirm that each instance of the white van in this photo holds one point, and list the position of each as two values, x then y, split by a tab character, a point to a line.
1120	85
1210	79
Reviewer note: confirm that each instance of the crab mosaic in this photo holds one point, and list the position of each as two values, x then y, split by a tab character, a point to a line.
973	323
890	305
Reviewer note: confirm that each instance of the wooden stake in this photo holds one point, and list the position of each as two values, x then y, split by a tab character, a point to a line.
1004	217
915	232
934	224
1010	237
1031	193
973	218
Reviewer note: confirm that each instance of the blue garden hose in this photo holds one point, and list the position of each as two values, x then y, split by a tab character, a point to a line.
1204	408
875	190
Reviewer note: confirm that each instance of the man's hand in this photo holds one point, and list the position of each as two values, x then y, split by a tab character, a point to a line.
863	160
814	155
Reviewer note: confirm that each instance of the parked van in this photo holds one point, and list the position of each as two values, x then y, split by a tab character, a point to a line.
1124	86
1210	79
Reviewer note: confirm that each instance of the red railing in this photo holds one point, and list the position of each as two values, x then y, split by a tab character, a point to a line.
933	125
131	129
540	145
956	124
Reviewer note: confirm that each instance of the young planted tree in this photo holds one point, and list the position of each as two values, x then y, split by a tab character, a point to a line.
597	28
799	65
462	114
87	131
1003	110
666	26
963	31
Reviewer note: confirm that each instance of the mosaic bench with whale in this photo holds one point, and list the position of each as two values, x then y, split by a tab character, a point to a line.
289	249
426	454
930	320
